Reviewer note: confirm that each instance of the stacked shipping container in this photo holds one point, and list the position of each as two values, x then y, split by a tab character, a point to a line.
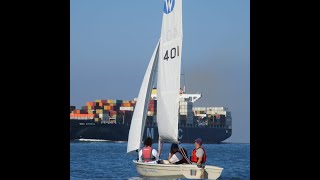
105	110
152	108
216	116
121	111
186	114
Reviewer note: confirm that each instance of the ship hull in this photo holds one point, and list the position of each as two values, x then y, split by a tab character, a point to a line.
81	129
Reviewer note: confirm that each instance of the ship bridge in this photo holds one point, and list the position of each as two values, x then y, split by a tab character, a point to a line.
191	97
183	96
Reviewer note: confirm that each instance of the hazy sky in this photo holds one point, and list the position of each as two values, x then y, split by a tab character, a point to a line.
112	42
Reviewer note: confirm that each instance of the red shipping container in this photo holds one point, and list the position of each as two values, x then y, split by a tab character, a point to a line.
90	104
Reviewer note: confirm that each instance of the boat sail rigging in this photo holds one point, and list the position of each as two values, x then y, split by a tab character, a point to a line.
166	60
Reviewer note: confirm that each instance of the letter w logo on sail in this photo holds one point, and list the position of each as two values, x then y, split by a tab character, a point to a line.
168	6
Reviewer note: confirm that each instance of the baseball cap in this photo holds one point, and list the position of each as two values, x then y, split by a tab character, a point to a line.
199	141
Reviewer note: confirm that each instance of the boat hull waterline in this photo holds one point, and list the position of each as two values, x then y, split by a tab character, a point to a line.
190	171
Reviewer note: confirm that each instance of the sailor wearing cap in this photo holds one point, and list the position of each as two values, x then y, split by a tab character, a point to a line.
199	154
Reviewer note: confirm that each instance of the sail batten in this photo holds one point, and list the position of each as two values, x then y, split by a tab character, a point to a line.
169	67
140	113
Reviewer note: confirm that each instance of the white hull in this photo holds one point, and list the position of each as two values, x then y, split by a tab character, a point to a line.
189	171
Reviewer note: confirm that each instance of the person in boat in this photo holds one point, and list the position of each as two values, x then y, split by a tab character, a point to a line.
199	155
176	156
147	153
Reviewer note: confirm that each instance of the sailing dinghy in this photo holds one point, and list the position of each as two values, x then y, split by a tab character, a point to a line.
166	61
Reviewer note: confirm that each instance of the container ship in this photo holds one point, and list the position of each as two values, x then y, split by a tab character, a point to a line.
110	120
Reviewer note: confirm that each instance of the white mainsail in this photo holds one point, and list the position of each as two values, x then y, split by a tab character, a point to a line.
140	112
169	64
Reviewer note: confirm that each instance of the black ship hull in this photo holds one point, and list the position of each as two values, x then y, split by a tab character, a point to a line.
82	129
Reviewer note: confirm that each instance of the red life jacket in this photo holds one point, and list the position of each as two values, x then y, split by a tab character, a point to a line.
147	154
194	157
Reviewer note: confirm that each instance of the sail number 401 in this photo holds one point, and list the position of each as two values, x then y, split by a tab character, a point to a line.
171	53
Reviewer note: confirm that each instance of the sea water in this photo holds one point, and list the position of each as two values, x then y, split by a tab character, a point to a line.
109	160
